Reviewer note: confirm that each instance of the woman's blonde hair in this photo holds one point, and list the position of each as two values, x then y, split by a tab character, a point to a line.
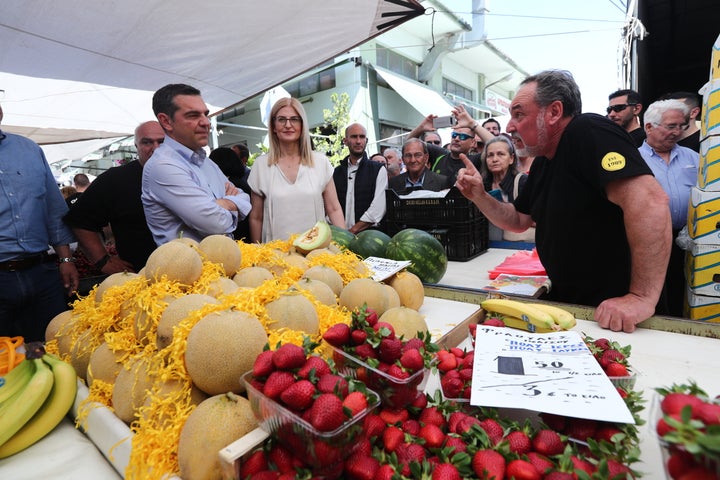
306	154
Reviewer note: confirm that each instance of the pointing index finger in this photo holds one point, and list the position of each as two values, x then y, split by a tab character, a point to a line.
468	164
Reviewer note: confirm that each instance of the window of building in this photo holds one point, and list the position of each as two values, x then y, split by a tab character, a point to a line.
391	136
395	62
317	82
456	89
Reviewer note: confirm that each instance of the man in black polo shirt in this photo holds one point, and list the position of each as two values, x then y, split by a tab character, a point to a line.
360	183
603	222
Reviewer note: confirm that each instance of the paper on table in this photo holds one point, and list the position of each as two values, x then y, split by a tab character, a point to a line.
543	372
528	285
383	268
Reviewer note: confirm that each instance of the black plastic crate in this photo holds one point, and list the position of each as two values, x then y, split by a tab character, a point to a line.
451	209
462	241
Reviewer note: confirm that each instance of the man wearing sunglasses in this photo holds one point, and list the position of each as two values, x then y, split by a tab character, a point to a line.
603	222
447	162
624	108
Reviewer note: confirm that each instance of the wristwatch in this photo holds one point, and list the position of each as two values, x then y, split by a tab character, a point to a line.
474	126
66	260
101	263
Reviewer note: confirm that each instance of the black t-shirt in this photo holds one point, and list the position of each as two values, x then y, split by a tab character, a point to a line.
114	198
692	141
580	234
442	162
638	136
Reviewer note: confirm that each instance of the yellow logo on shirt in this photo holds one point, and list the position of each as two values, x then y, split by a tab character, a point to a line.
613	162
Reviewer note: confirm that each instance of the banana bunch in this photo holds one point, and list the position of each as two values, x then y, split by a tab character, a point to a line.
530	317
34	398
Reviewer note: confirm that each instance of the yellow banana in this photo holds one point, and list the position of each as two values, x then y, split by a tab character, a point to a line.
562	317
520	310
16	380
21	408
524	325
51	413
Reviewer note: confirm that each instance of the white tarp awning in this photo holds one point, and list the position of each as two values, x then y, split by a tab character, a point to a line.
423	99
230	50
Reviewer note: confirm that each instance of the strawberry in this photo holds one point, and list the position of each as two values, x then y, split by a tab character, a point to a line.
466	424
288	357
616	369
541	463
410	452
458	352
602	343
611	356
397	372
445	471
266	475
447	361
362	447
365	351
581	428
708	413
493	429
680	461
522	470
582	465
358	337
663	428
698	473
263	365
255	463
617	469
433	436
466	374
299	395
412	360
413	344
314	365
518	442
394	416
371	317
326	413
332	383
384	329
355	402
456	444
283	460
419	402
389	350
558	475
548	443
452	387
454	420
373	425
385	472
325	453
472	328
392	438
555	422
411	426
488	464
337	335
606	433
432	415
358	467
493	322
674	402
277	382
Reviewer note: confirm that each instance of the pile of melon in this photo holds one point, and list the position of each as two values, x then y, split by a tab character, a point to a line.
155	345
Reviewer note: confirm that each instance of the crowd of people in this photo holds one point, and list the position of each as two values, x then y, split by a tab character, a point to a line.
602	197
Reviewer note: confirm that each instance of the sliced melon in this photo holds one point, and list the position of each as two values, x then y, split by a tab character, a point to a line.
319	236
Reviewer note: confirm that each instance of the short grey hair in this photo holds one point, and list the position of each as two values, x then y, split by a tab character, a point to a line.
554	85
656	110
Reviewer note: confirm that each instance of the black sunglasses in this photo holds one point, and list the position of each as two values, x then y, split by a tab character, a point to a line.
461	136
619	107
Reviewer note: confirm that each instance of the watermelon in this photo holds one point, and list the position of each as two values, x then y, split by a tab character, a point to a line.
341	236
427	254
370	243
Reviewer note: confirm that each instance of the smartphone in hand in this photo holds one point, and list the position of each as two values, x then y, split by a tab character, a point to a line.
444	122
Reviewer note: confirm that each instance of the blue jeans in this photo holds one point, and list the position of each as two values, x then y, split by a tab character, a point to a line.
29	299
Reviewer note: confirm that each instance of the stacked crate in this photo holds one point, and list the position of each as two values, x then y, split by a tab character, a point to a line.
453	219
703	259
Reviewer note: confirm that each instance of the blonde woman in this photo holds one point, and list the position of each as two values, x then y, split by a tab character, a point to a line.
292	186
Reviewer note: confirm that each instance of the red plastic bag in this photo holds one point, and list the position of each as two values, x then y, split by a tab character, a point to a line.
524	262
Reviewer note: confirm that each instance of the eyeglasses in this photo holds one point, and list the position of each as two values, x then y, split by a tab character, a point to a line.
461	136
292	120
416	155
673	126
620	107
434	142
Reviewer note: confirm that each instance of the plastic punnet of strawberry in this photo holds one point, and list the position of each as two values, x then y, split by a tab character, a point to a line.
687	423
614	360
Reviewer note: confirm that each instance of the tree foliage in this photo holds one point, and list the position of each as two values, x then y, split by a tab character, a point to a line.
328	138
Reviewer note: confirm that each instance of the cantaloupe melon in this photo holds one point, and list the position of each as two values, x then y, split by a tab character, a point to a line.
57	324
145	322
409	287
221	347
223	250
104	365
318	236
113	280
131	389
221	286
175	260
326	275
80	353
252	277
320	290
215	423
176	312
405	321
294	311
366	290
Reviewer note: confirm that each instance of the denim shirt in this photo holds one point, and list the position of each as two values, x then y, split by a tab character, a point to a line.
677	178
31	205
